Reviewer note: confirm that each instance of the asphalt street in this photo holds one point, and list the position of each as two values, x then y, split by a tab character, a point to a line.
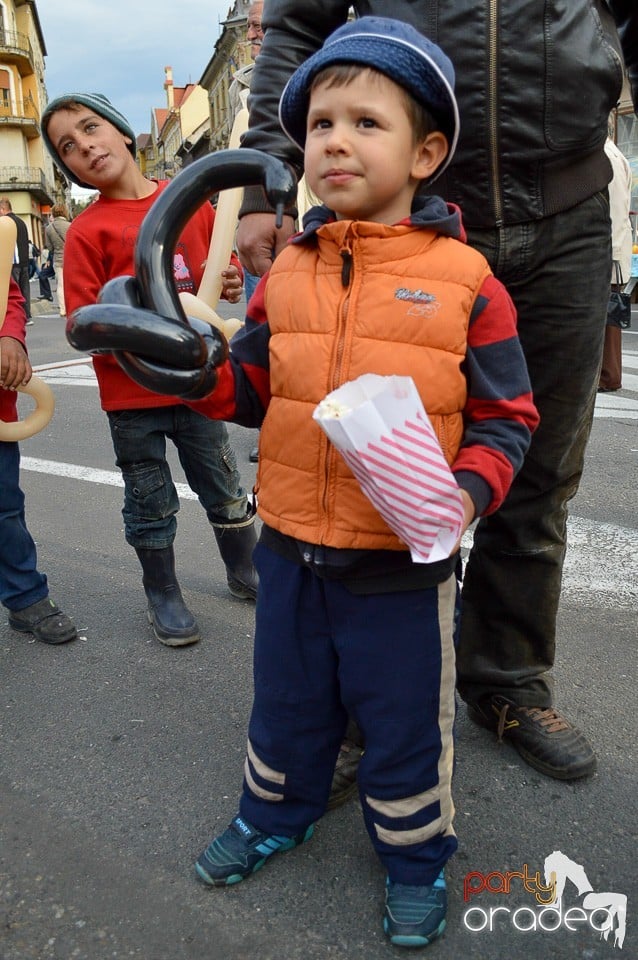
120	758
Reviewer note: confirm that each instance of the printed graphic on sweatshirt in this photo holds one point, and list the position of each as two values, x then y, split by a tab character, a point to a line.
182	270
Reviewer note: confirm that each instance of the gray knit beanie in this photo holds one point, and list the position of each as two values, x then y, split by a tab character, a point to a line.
99	104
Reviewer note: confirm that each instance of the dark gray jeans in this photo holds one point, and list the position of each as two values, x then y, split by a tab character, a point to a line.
150	498
557	271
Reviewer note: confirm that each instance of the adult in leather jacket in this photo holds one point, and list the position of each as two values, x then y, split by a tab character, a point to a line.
535	82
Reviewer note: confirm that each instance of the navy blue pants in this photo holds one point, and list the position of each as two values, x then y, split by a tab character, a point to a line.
20	582
323	653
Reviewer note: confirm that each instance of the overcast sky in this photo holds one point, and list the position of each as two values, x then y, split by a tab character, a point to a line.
120	48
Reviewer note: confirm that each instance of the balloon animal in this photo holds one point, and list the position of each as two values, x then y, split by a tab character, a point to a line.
141	319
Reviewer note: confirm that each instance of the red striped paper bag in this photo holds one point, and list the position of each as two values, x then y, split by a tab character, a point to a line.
379	426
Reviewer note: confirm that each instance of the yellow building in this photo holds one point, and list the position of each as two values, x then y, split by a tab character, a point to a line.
174	128
27	175
231	52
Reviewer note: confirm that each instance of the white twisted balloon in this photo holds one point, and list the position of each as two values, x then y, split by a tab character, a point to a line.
36	388
221	245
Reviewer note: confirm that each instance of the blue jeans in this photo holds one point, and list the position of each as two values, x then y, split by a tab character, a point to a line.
150	498
20	583
557	272
45	286
250	284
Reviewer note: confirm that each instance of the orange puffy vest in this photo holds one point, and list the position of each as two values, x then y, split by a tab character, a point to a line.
404	309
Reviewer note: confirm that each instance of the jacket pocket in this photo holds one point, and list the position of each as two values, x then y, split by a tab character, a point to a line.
584	73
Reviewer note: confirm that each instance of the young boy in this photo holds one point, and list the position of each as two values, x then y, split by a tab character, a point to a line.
380	281
94	146
24	591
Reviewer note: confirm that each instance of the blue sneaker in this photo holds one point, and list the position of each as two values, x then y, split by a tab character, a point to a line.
415	916
241	850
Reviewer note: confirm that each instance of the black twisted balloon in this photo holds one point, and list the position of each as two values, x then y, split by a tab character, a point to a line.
140	320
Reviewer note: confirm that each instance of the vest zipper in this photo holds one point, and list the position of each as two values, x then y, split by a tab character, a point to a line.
346	256
346	278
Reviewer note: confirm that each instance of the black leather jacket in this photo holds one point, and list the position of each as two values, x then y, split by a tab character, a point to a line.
535	81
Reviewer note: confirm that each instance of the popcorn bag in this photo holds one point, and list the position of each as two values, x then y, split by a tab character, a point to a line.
379	426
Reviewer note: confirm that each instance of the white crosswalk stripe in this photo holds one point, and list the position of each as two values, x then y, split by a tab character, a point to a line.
623	403
596	550
595	553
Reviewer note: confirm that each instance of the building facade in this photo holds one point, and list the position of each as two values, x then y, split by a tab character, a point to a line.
27	174
231	52
175	128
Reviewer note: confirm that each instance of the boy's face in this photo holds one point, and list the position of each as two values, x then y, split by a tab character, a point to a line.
360	158
90	146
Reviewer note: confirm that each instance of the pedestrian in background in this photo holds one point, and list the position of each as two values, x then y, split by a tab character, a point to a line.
238	95
238	98
46	273
34	253
530	174
55	234
621	243
20	270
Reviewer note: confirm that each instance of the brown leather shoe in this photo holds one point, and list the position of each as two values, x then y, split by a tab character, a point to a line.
542	735
344	779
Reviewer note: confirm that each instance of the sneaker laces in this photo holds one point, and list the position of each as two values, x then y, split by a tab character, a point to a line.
549	718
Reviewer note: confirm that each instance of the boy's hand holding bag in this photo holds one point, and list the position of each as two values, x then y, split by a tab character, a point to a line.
381	429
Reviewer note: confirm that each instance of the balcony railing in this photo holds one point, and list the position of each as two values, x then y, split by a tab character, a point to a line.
31	179
21	113
15	45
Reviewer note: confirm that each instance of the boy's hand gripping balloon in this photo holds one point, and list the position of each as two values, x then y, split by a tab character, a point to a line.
141	319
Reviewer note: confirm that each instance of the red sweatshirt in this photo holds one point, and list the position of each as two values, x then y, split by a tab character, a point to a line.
100	245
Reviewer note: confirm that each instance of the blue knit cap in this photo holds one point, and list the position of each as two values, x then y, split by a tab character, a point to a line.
393	48
99	104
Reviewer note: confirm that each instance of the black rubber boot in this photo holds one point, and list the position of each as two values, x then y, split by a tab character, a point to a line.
236	542
173	623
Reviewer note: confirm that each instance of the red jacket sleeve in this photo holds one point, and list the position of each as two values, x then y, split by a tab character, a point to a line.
15	319
14	326
500	415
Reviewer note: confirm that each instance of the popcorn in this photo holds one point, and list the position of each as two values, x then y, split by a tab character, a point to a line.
330	409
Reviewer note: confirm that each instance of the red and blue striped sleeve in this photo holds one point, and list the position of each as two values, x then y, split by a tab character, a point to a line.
500	415
242	393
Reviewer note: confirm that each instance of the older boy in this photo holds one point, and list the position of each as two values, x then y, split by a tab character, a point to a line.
346	623
94	146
